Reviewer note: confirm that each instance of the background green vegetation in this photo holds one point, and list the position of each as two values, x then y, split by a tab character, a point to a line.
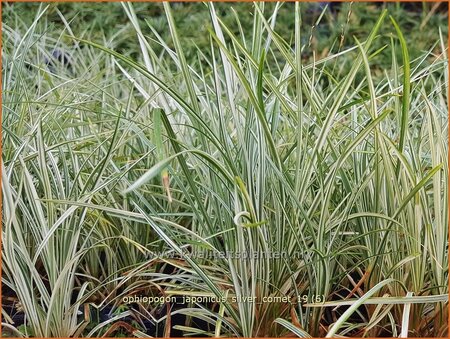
130	130
338	25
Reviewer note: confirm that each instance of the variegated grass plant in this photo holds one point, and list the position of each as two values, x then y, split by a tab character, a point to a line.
119	175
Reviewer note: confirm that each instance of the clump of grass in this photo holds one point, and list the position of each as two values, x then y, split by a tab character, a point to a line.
330	178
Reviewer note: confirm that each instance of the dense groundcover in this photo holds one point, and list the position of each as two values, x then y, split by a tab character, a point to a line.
224	170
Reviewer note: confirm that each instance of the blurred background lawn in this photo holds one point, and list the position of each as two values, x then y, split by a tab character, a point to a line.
332	25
